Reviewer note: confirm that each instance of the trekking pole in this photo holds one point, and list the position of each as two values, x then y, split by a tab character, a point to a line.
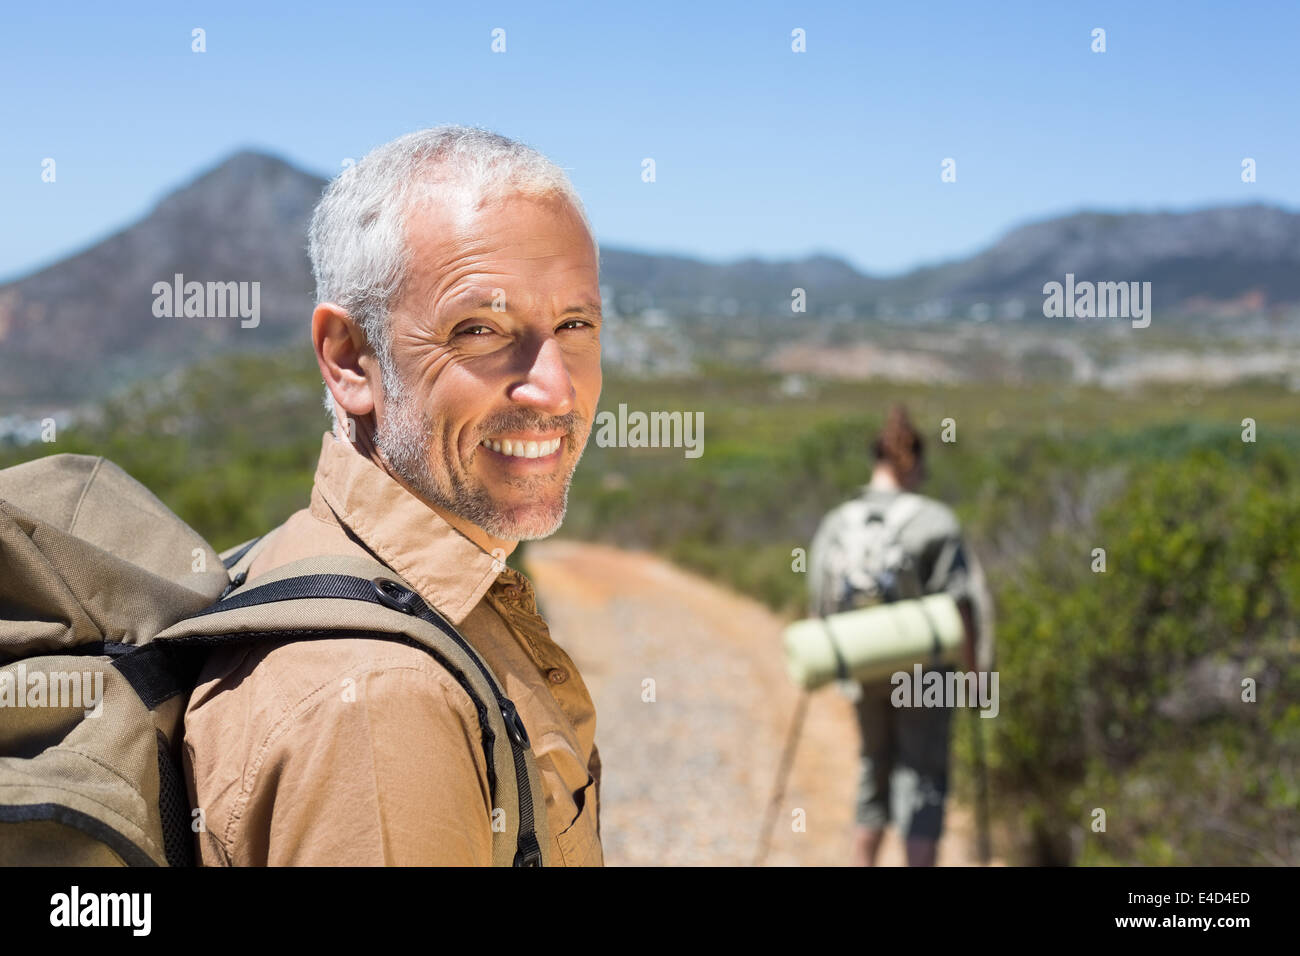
982	847
782	775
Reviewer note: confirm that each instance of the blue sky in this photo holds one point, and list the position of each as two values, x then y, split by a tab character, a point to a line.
759	150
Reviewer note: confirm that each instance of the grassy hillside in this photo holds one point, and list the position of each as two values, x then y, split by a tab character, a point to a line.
1120	691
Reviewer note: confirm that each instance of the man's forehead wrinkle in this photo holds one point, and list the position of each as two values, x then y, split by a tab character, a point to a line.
453	260
469	285
448	275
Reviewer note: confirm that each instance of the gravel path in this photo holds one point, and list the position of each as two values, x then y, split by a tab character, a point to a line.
688	775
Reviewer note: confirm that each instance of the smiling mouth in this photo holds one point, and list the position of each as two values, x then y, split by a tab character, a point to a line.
519	448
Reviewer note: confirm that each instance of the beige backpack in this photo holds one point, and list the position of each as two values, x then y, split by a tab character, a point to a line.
108	604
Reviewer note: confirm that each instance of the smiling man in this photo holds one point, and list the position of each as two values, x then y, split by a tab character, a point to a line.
458	334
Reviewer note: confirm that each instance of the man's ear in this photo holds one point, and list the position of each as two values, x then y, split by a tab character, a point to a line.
346	363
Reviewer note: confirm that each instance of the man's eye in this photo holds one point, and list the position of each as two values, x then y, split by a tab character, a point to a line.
576	323
475	330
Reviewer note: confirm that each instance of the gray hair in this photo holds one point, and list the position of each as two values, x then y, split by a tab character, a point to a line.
357	239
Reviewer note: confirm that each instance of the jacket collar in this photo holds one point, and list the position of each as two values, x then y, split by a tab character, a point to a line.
449	571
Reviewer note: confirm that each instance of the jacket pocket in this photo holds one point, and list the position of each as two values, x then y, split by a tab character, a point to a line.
579	842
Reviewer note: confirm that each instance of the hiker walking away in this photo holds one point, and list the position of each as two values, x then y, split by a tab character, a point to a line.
457	330
891	544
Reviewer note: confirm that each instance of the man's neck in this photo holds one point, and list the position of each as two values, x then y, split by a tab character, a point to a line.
366	446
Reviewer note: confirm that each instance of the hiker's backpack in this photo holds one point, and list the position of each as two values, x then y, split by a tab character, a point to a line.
109	604
866	557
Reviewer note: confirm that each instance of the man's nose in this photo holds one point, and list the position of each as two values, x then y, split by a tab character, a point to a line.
547	385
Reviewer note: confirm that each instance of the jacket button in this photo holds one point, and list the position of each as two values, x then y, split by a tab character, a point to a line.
557	675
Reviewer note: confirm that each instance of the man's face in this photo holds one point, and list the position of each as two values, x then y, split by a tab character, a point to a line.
494	405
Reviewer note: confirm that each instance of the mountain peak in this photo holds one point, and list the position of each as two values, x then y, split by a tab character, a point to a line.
251	162
245	178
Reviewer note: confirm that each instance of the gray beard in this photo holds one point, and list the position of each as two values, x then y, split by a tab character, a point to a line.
406	442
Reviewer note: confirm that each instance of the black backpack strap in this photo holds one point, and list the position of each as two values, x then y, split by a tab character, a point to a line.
160	670
232	559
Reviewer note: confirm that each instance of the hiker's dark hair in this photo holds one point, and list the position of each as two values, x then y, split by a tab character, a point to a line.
899	443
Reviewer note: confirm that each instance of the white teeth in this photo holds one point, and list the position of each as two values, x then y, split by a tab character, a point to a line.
523	449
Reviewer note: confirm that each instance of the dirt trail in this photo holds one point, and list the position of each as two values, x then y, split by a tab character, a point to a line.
687	776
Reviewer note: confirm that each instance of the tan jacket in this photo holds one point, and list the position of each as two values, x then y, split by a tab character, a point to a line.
286	772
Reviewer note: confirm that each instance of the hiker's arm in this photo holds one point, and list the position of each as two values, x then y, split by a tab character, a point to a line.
819	596
389	770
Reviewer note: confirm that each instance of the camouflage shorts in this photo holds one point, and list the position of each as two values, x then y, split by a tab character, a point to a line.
903	775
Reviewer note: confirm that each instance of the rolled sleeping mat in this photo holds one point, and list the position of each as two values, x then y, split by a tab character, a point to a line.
873	642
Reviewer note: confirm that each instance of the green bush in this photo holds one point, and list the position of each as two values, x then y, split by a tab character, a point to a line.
1122	690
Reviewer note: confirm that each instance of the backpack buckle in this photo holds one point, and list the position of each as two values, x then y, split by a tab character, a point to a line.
391	594
235	584
514	725
530	855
